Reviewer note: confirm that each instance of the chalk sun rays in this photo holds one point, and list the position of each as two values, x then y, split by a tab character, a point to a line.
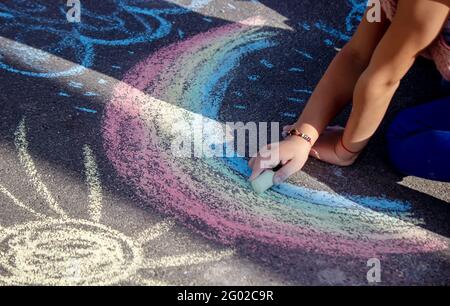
94	184
18	203
27	162
63	250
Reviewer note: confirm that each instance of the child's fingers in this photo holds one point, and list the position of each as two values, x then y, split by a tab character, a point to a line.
257	170
260	164
286	171
251	162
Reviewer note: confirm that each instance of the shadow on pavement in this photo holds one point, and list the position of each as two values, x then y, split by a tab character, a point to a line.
58	130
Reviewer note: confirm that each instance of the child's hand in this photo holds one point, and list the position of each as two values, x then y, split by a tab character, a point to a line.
327	148
292	153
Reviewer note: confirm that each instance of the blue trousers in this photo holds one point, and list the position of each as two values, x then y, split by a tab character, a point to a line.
419	141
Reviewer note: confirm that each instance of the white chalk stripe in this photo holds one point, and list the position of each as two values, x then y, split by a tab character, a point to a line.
151	282
6	266
93	183
30	168
19	203
187	259
155	231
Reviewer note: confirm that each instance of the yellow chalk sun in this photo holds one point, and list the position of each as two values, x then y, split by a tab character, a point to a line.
63	250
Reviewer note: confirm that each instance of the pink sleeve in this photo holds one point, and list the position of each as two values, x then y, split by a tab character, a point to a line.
389	7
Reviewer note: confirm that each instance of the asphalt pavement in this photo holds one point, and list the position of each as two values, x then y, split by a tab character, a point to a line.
91	193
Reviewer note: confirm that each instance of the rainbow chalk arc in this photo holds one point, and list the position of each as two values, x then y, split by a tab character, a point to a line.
212	195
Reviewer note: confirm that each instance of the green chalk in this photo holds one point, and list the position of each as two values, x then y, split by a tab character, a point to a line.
263	182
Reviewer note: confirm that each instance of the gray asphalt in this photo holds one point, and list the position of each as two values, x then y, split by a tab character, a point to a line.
68	217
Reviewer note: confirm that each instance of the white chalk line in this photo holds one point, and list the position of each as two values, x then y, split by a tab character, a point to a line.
27	162
39	253
93	183
155	231
18	203
150	234
187	259
5	265
151	282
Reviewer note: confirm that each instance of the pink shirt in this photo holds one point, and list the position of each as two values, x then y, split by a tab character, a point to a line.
438	51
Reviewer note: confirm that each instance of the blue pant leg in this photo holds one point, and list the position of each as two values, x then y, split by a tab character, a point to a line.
419	141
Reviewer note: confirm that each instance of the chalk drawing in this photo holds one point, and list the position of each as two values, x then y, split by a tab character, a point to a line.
155	231
305	26
80	39
75	84
62	250
180	34
303	53
63	94
332	31
307	91
328	42
193	76
353	19
192	259
254	77
238	106
94	184
86	110
266	63
289	115
351	22
296	100
210	196
296	69
28	163
18	203
195	4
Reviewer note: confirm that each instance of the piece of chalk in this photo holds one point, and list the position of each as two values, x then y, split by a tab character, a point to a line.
263	182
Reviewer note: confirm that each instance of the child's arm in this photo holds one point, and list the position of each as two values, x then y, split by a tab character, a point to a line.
416	24
333	91
336	87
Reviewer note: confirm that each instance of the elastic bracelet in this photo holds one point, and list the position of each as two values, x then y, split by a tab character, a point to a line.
295	132
345	148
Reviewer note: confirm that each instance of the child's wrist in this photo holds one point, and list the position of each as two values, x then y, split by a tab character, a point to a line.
308	130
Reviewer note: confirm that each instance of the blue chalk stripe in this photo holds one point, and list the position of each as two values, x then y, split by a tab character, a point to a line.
86	110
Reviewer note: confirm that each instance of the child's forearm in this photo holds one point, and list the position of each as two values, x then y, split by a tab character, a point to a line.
370	102
332	93
415	26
